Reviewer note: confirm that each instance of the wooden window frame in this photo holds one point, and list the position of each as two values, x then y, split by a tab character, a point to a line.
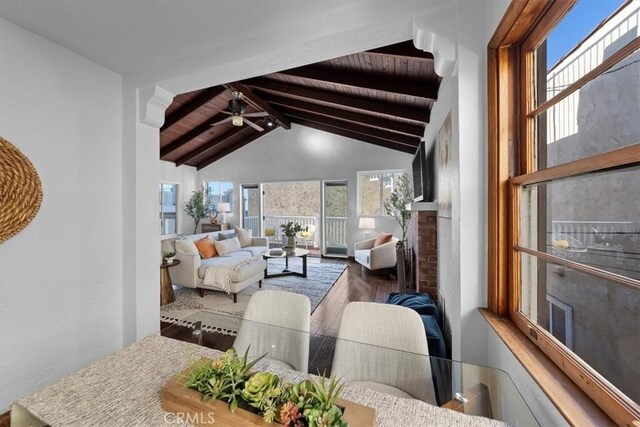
512	113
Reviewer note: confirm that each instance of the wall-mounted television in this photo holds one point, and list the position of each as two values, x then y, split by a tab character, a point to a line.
423	174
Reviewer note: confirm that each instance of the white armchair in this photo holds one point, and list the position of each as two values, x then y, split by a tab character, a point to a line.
383	256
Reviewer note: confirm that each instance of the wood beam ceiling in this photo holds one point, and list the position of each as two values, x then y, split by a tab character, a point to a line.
191	106
397	138
353	135
228	150
315	95
235	131
353	117
403	50
192	134
360	80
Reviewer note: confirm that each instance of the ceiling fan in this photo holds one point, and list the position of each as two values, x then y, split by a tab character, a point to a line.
236	111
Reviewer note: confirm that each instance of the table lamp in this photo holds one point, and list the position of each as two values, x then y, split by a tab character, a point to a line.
224	208
367	224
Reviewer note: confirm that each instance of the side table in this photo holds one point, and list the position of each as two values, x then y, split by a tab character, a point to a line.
166	288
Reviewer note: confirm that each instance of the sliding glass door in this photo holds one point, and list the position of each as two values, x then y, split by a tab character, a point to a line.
334	218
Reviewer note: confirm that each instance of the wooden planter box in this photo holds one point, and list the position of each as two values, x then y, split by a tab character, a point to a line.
189	406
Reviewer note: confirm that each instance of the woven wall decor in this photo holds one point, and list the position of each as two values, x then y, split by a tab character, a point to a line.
20	191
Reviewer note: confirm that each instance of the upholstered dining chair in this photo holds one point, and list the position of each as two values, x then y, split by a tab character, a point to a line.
277	323
384	347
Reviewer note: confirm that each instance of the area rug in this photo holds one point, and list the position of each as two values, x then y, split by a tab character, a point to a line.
217	312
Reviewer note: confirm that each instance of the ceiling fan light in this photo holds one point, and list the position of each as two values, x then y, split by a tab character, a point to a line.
270	121
236	120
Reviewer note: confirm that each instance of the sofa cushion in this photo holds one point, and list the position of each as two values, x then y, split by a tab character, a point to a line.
420	302
186	246
244	273
255	251
243	235
205	247
362	256
382	239
227	246
226	235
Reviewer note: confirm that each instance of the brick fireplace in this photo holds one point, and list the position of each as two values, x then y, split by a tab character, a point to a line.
423	240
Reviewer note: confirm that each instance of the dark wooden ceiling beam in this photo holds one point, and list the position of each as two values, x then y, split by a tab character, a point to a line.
388	84
258	103
192	134
191	106
316	95
403	50
235	131
226	151
357	118
410	141
356	136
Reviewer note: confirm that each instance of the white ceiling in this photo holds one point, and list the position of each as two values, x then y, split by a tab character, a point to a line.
185	45
131	36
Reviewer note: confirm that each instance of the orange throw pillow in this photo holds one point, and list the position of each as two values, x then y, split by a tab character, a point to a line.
206	248
382	239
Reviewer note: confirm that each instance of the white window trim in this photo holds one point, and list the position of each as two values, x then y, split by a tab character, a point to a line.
234	196
376	172
178	213
568	319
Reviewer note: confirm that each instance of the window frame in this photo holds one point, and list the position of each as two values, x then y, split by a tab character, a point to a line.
220	182
358	190
512	112
177	186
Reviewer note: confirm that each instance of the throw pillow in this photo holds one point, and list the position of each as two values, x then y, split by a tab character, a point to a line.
382	239
225	247
205	247
186	246
244	236
226	236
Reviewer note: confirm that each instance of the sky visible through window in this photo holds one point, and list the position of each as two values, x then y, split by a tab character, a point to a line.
576	25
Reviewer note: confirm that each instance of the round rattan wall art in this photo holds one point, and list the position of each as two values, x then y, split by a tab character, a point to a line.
20	191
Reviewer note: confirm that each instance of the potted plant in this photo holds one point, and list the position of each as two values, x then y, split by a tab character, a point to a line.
290	229
396	204
197	208
229	379
168	257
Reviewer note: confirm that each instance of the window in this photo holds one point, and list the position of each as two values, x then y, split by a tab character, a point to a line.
220	192
373	189
168	208
564	193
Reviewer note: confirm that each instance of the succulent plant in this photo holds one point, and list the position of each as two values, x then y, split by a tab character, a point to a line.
290	415
261	391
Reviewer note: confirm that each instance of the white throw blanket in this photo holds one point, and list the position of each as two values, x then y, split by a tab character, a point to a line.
219	275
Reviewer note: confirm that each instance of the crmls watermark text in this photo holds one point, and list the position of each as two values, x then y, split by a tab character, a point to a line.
200	418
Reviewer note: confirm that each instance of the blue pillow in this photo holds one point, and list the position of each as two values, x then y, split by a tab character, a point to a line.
226	236
420	302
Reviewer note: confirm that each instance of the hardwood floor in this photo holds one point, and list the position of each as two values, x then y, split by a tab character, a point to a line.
353	285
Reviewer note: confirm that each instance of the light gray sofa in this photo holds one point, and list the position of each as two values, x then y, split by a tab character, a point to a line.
191	270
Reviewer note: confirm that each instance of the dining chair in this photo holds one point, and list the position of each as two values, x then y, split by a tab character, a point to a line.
384	347
276	323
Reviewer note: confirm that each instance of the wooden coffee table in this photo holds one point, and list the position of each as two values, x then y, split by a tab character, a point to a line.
166	285
297	253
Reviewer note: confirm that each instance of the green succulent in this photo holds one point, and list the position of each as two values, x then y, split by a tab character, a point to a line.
262	391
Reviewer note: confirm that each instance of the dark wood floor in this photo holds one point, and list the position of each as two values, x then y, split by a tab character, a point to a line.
353	285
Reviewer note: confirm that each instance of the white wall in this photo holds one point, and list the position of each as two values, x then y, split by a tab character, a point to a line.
308	154
187	179
60	278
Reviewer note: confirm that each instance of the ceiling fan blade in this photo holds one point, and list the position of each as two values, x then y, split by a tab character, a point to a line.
226	112
228	119
258	114
253	125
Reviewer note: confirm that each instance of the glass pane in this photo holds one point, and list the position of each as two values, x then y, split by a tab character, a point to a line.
168	208
251	209
597	319
600	116
370	188
213	193
335	218
226	192
589	34
592	219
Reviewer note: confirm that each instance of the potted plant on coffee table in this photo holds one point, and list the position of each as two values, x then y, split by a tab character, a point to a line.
290	229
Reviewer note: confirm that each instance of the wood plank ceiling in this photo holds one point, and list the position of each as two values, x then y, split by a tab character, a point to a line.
382	96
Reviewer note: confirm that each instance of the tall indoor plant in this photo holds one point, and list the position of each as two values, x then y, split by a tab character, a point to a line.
396	204
197	207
